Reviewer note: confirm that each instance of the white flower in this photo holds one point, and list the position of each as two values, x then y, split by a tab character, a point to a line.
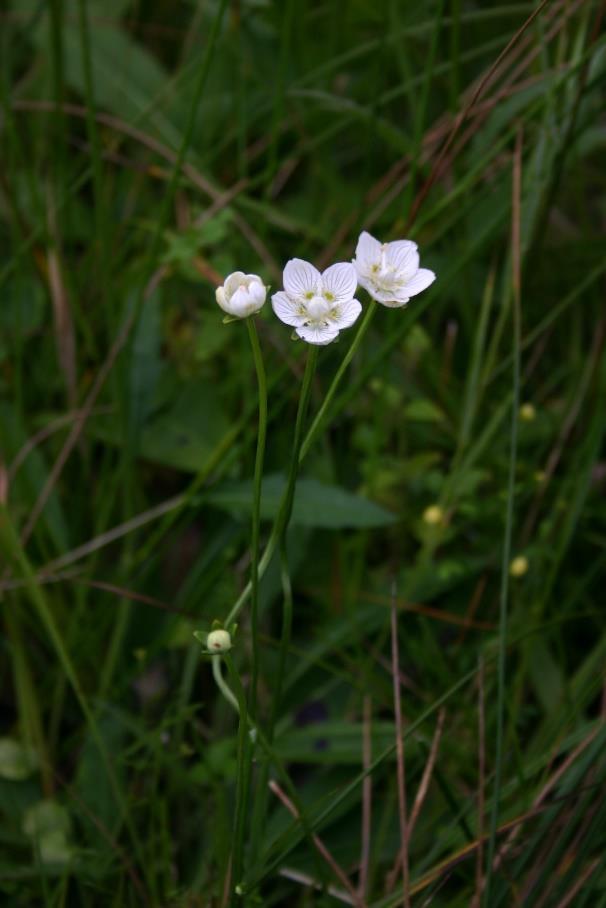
241	294
390	271
318	306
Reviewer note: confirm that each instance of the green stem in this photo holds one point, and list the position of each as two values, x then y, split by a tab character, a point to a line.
248	753
289	494
256	513
244	747
271	758
330	394
281	527
93	132
306	444
279	532
504	595
287	609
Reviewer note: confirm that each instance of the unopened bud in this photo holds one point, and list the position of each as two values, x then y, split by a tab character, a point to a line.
218	641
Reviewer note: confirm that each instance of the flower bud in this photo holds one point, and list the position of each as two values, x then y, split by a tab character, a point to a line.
218	641
528	412
433	515
518	566
241	294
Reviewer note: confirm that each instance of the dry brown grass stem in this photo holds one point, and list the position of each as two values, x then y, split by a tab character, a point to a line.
320	846
421	794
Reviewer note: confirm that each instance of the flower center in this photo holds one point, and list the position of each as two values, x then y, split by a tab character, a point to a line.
317	309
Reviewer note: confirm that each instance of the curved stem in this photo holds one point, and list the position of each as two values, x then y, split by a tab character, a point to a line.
221	683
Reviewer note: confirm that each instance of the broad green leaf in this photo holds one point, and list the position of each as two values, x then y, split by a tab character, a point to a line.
423	410
315	504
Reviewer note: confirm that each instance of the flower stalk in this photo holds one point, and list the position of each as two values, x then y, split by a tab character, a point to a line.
256	510
282	523
243	776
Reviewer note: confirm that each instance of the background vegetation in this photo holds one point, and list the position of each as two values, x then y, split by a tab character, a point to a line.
150	147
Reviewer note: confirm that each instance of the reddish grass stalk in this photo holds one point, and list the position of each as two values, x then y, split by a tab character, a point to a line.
427	773
320	846
421	793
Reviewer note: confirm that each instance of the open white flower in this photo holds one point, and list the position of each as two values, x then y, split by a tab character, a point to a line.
317	306
241	294
390	271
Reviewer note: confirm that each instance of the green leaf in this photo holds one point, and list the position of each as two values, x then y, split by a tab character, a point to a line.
315	504
423	410
180	435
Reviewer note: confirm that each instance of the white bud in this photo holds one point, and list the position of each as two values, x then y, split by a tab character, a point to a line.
218	642
242	294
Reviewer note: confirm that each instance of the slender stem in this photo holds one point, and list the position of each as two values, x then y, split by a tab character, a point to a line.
328	399
287	609
282	522
222	685
248	753
504	597
244	746
256	513
271	757
306	444
279	532
93	131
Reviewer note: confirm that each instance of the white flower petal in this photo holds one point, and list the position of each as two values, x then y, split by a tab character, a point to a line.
318	334
345	314
368	250
257	292
421	281
288	310
403	255
340	282
391	303
391	298
300	278
240	304
233	281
